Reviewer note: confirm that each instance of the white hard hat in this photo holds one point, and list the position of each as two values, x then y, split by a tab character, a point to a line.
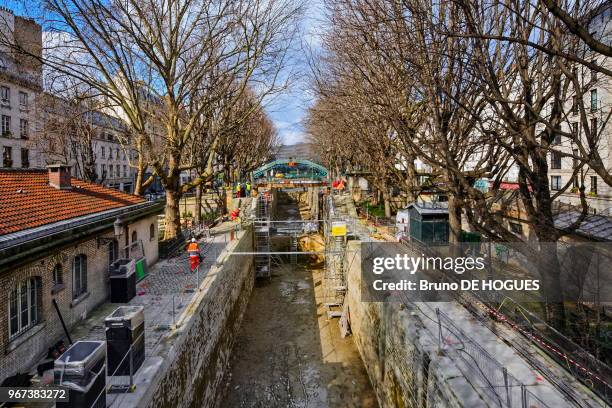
192	239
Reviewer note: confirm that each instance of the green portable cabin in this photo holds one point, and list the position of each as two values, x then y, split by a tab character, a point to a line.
429	222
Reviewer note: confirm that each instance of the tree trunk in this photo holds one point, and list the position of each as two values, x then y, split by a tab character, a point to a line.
198	204
549	269
454	224
387	202
173	214
138	189
411	180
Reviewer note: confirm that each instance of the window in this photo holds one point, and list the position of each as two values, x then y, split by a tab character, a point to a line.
23	99
575	104
110	171
575	182
516	228
24	306
574	159
151	232
103	152
593	100
7	156
6	126
113	251
5	94
125	171
117	154
594	127
593	72
555	182
134	236
118	168
79	276
25	158
594	184
23	128
575	129
555	160
58	275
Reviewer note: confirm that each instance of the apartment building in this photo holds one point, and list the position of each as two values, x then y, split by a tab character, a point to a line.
112	152
597	101
94	144
20	83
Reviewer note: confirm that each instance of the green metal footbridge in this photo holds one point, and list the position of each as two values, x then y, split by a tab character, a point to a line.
291	171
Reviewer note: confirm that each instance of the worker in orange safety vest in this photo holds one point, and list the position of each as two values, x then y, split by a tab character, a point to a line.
194	254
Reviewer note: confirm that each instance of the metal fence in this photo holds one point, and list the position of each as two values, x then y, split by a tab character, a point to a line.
581	364
483	371
119	382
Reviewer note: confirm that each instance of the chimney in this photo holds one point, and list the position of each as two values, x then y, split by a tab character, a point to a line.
59	176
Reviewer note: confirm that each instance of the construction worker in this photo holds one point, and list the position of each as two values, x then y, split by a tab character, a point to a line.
194	254
248	189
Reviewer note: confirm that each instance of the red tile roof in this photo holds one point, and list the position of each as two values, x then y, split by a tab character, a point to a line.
27	200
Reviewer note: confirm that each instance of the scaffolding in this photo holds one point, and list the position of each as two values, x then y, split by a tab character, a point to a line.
261	230
334	279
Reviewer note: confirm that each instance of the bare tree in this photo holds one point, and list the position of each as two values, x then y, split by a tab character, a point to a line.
66	133
162	65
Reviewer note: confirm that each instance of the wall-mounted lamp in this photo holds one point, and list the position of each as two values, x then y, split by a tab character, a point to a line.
118	230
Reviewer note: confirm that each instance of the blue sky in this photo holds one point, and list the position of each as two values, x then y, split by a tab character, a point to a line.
287	110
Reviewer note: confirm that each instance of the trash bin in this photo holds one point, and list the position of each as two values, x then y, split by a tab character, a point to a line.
82	370
125	329
122	280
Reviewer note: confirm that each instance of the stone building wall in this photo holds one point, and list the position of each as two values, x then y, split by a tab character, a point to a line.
25	350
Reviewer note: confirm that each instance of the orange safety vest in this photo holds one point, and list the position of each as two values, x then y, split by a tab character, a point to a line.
193	249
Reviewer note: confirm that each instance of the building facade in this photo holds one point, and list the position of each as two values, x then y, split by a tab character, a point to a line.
596	97
20	83
113	153
27	114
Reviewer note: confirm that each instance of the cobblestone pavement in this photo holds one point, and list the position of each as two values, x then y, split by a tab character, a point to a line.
164	293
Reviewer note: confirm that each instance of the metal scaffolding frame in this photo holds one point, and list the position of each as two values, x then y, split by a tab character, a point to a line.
261	231
334	278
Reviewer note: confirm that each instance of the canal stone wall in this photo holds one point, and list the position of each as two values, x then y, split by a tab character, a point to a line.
400	354
195	364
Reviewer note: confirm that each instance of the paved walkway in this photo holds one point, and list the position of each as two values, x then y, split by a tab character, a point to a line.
164	293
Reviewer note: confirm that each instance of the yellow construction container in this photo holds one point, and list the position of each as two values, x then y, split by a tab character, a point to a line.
338	229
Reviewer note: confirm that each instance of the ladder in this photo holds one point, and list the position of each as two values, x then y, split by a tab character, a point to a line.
261	230
294	248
